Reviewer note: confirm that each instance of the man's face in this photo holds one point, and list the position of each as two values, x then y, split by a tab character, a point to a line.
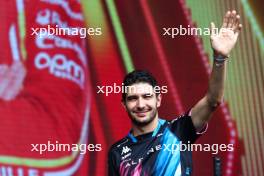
141	103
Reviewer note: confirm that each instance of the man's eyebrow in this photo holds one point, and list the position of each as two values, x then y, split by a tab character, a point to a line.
132	96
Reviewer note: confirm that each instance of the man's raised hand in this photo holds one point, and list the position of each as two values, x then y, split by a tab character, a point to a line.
223	40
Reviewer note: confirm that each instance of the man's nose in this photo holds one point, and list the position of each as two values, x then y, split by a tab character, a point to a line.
140	103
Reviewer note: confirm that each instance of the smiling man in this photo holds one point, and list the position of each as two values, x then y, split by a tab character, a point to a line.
152	146
142	100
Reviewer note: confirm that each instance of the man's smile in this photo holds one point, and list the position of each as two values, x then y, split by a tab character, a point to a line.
141	113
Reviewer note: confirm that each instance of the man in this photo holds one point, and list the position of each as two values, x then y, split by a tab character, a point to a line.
145	150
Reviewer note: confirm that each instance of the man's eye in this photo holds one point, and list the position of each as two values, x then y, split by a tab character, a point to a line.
148	96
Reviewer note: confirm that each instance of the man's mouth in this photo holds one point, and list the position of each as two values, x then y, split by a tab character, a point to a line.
141	113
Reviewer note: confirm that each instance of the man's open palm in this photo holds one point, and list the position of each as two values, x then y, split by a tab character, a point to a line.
223	40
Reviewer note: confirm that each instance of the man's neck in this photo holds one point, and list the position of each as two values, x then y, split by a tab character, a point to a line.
138	130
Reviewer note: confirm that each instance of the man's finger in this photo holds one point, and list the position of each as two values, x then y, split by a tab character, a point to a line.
225	20
233	18
238	29
237	21
230	20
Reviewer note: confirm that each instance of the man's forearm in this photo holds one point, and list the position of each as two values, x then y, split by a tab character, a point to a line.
216	83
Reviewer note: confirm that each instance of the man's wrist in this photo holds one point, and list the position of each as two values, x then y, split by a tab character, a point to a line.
219	59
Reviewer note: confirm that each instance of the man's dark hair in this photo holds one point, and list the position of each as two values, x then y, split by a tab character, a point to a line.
138	76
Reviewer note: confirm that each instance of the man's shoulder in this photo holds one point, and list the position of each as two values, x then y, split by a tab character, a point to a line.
119	144
178	118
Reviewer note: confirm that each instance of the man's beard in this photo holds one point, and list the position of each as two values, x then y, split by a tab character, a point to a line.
146	121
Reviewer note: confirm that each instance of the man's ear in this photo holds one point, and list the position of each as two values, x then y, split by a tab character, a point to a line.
159	97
